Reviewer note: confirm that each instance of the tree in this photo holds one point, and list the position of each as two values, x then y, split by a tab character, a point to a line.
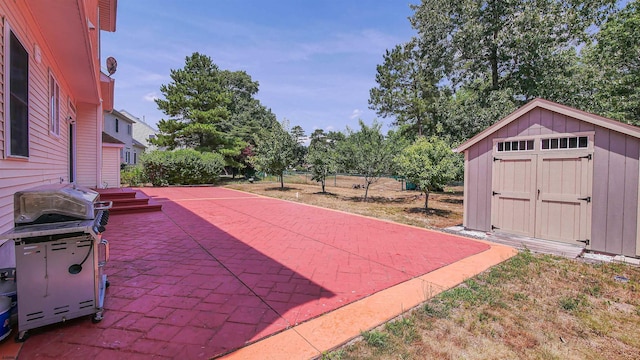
508	43
366	152
322	159
211	110
407	88
613	63
274	151
316	136
300	150
428	163
471	109
196	103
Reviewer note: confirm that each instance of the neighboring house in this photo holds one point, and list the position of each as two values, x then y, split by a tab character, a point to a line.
52	96
138	149
121	127
553	172
142	131
111	150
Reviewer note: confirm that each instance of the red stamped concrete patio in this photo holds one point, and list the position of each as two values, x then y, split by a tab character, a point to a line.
218	269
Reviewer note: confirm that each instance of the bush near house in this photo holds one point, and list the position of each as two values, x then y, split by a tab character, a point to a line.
133	175
182	167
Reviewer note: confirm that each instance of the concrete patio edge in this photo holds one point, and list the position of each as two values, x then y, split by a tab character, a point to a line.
331	330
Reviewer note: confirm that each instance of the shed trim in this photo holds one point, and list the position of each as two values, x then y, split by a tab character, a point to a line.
561	109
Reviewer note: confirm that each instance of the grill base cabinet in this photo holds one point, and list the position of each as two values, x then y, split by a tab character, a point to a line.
60	254
48	292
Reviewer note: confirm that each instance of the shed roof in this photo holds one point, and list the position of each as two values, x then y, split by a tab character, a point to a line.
559	108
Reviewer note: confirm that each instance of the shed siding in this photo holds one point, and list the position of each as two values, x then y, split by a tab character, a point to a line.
48	153
87	150
600	190
615	191
479	192
630	224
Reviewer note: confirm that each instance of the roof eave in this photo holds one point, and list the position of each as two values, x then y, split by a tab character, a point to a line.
551	106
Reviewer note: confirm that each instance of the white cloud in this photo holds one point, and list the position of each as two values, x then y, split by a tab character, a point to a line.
150	97
329	128
355	114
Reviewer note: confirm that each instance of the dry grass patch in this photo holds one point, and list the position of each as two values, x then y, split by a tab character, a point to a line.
386	200
530	307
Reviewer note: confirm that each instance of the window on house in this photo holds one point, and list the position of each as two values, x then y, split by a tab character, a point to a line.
117	125
18	101
128	129
127	157
54	106
135	158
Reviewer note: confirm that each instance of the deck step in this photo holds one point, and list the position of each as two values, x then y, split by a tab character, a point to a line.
127	201
110	194
130	209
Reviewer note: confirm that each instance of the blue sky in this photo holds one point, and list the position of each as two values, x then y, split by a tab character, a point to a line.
315	60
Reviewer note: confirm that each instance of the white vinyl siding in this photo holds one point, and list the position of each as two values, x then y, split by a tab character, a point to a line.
48	161
88	157
48	156
2	102
111	167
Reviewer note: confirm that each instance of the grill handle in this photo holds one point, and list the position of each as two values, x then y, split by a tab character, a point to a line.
105	243
102	205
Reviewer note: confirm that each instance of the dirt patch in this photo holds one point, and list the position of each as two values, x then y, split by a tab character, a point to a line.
386	200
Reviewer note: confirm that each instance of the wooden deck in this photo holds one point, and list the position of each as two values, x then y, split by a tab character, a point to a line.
522	242
537	245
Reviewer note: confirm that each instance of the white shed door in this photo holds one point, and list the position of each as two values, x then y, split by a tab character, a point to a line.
513	208
563	210
543	195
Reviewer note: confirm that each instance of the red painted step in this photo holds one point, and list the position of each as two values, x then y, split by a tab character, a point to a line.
129	209
126	201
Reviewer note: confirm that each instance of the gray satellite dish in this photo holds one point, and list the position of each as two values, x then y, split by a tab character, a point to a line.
112	65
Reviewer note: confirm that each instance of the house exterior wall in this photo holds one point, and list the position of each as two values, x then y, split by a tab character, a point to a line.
137	151
48	160
142	131
88	146
614	226
122	134
111	166
48	153
2	82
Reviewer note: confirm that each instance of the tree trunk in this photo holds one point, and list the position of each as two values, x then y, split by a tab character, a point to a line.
426	200
282	180
322	182
493	59
366	191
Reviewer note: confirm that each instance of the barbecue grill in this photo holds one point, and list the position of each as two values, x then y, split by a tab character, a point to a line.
60	254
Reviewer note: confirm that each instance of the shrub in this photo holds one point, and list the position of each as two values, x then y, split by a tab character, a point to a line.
182	167
133	175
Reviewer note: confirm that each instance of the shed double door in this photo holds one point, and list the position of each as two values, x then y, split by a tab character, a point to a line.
546	196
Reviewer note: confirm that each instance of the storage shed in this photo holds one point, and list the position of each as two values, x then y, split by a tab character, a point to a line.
552	172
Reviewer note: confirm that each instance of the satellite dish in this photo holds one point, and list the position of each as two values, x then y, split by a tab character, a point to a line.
112	65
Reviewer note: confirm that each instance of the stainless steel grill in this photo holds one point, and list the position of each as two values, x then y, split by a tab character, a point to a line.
60	255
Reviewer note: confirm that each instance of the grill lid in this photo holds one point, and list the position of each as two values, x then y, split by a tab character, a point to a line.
51	203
